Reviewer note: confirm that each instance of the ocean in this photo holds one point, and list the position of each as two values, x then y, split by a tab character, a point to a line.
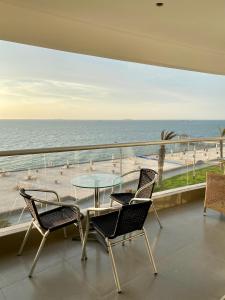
26	134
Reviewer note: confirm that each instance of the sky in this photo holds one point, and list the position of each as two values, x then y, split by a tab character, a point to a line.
38	83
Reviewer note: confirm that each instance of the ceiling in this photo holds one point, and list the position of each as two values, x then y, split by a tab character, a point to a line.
185	34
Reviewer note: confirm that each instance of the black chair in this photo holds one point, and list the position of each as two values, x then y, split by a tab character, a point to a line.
50	220
127	219
144	191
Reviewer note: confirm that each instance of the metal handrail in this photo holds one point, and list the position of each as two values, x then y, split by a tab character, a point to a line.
106	146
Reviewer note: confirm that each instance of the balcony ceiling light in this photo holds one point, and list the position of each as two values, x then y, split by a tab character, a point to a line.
159	4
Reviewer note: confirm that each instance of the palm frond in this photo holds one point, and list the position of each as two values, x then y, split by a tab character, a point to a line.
222	132
163	134
167	135
171	135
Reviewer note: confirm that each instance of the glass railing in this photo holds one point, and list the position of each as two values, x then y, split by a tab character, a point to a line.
181	163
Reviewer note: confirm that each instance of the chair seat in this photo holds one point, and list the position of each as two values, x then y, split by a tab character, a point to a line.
122	198
57	218
105	224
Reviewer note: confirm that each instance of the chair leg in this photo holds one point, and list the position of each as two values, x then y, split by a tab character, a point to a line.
111	202
150	252
156	215
38	253
204	212
84	242
25	238
115	274
81	232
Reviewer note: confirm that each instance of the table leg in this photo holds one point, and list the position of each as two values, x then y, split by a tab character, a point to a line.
93	235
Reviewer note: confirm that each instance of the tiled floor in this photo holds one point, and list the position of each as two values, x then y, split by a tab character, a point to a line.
189	252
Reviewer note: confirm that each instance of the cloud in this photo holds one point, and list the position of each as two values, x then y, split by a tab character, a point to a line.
43	83
32	90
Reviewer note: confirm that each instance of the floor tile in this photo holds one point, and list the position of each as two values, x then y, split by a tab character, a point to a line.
58	282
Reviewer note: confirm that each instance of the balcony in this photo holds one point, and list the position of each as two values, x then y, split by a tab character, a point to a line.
189	250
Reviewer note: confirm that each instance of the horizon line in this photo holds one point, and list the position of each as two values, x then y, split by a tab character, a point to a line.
125	119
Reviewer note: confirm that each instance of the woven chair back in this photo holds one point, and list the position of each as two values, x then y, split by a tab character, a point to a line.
132	217
215	192
30	205
146	176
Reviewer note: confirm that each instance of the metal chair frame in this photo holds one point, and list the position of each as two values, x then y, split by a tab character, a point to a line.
142	199
35	223
111	244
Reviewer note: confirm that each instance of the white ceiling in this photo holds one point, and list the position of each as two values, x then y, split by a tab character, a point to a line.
186	34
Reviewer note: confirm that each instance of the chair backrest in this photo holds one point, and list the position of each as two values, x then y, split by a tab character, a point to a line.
146	176
215	192
30	202
131	217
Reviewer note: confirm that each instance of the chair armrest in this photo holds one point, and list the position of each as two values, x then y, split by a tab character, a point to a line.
139	200
44	191
127	173
58	203
130	172
98	209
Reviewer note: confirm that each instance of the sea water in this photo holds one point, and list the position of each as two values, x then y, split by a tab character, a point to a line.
27	134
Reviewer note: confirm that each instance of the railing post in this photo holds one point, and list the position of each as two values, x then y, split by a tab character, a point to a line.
194	161
121	161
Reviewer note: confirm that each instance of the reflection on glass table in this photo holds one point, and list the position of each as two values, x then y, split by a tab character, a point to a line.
96	181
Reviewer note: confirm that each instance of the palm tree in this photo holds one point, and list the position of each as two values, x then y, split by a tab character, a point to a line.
165	135
222	134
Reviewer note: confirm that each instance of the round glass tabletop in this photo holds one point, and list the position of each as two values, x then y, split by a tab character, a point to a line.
96	180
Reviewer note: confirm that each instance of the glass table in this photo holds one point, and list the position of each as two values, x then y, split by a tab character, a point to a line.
96	181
